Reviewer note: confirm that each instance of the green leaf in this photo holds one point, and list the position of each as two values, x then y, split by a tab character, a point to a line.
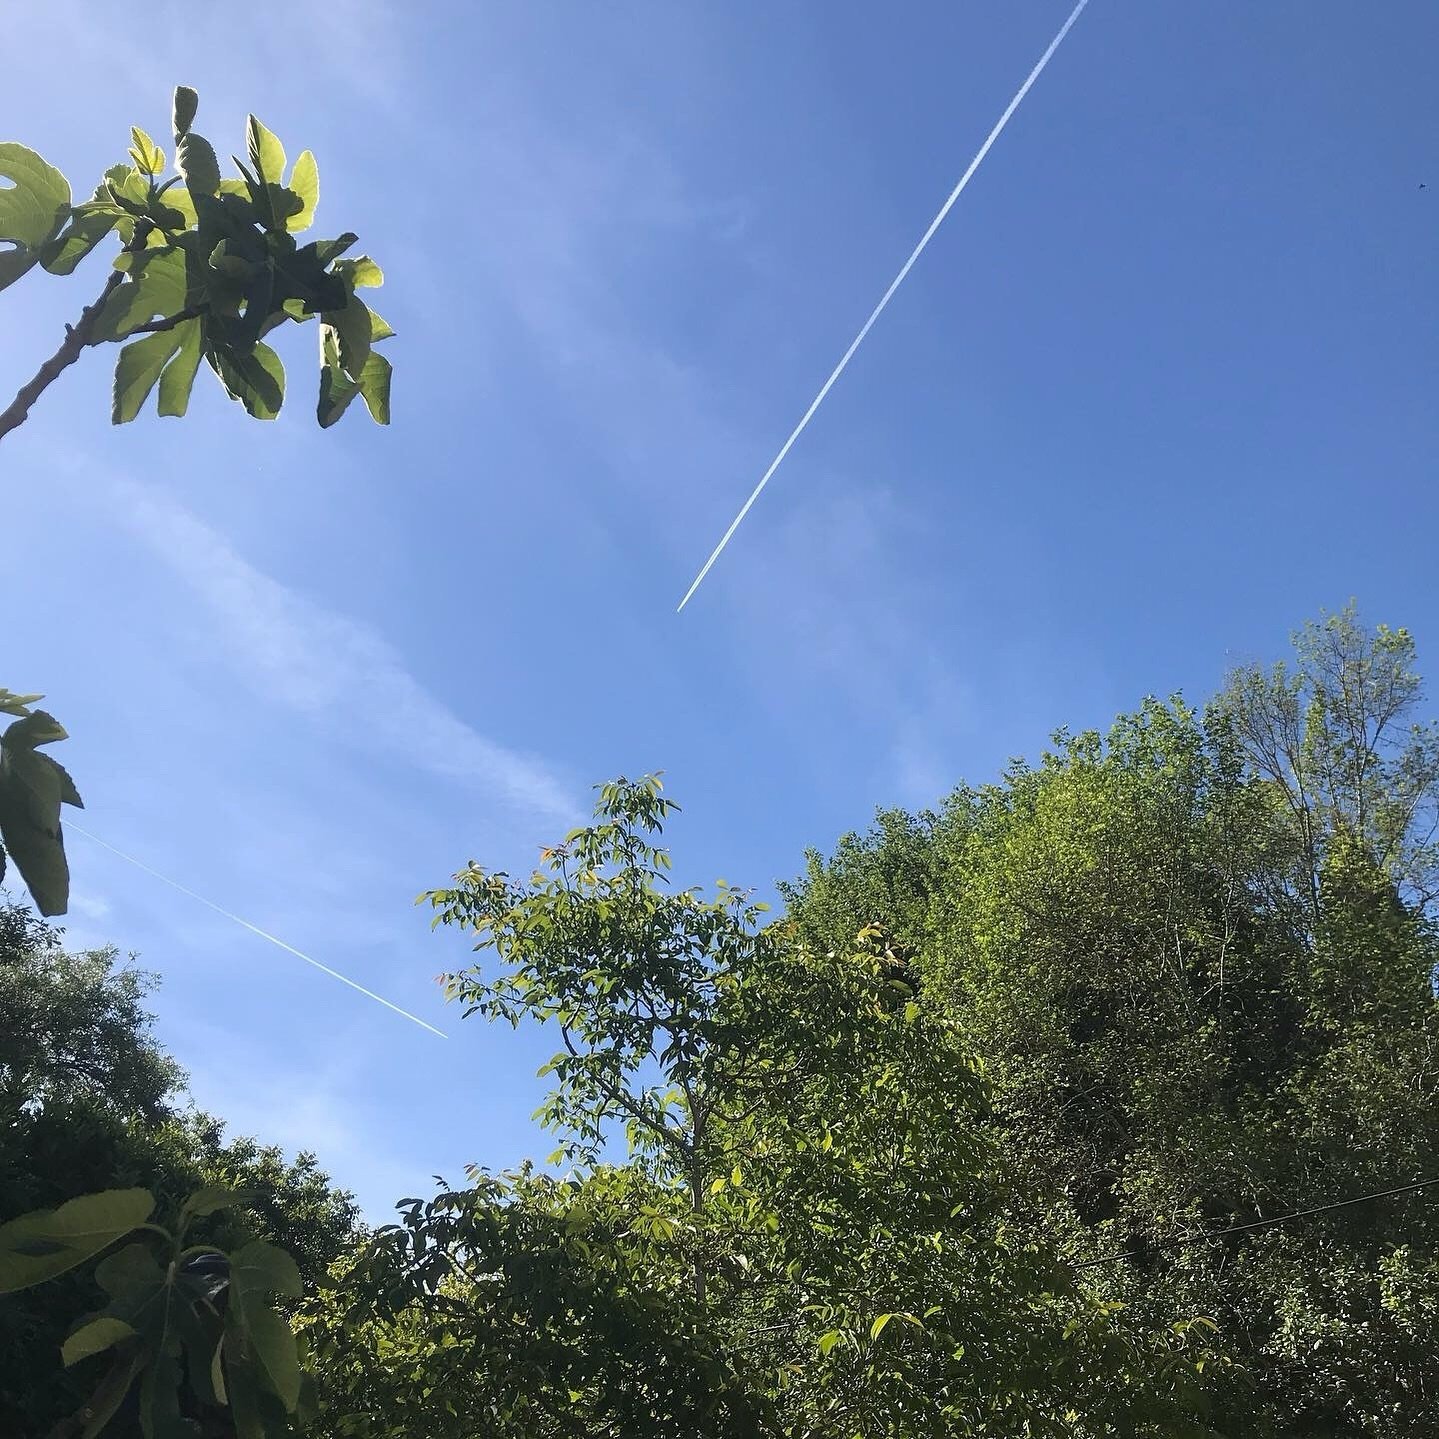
149	158
828	1341
351	328
267	155
41	1245
379	329
13	704
93	1338
136	371
160	1416
34	730
110	1393
305	182
264	1268
178	377
217	1371
211	1198
130	1272
195	160
157	288
326	250
361	271
256	379
877	1328
375	388
87	225
32	789
274	1346
336	387
182	112
243	1392
33	207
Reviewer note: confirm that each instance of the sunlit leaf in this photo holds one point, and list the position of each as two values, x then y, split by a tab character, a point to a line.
305	182
178	377
136	371
33	207
267	155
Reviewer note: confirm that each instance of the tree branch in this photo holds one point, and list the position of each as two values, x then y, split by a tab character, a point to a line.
77	336
156	327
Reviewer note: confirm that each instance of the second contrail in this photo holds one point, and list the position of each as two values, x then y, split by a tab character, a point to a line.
255	929
898	280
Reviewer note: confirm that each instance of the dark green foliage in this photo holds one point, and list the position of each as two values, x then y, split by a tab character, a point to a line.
89	1102
190	1337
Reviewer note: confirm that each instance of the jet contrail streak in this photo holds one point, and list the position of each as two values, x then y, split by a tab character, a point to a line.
898	280
255	929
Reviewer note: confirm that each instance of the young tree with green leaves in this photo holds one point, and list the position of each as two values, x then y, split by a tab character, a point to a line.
805	1236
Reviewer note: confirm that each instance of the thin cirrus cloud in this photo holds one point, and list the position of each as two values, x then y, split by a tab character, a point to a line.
330	667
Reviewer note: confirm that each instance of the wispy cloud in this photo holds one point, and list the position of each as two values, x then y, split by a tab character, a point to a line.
329	667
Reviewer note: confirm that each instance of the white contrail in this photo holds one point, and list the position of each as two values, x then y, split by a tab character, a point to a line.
898	280
254	929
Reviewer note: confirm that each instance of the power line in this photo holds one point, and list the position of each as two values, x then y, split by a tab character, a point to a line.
1256	1224
898	280
254	929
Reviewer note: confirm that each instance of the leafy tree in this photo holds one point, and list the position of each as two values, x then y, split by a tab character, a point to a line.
207	268
89	1101
806	1238
1195	957
1335	737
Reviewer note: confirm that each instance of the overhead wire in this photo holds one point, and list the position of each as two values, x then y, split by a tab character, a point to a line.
894	285
1205	1236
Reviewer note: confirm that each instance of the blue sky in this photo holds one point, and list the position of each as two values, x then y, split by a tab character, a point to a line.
1166	383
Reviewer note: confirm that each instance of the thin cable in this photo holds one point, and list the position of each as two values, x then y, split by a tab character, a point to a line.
898	280
1257	1224
254	929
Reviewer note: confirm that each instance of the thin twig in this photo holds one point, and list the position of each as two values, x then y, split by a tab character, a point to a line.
157	327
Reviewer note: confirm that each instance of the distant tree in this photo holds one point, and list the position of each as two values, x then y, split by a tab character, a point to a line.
1196	957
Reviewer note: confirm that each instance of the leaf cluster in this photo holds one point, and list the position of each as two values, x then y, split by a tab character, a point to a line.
208	268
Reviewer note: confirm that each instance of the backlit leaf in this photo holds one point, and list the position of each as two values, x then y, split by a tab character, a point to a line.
137	370
305	182
33	207
178	377
267	155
